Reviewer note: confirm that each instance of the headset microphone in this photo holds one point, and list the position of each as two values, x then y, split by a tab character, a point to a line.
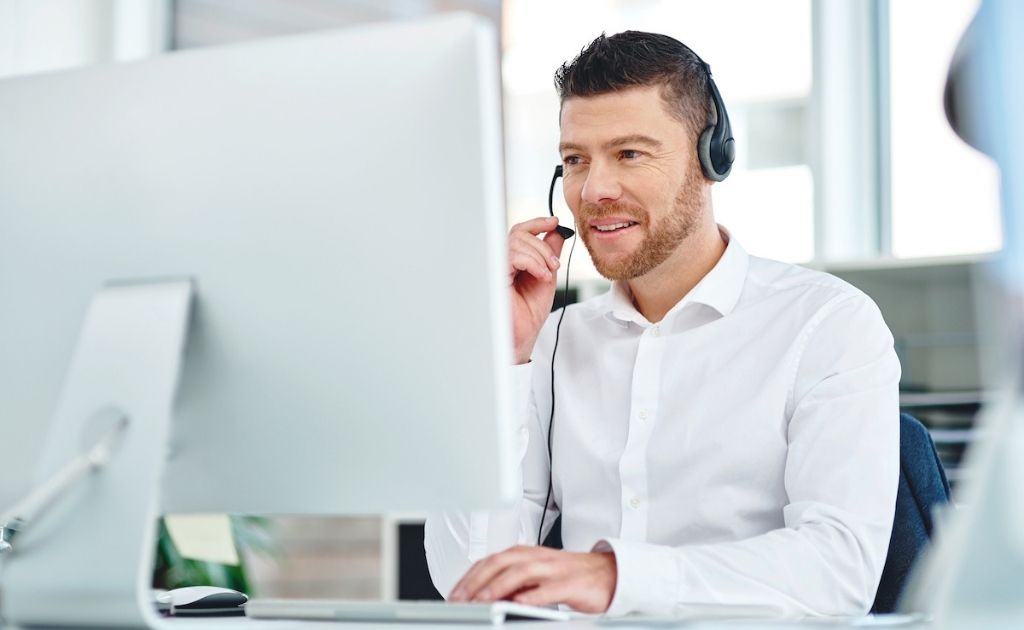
565	232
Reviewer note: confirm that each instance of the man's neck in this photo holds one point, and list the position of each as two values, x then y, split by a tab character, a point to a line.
656	292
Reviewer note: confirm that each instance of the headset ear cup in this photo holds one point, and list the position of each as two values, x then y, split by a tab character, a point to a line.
704	155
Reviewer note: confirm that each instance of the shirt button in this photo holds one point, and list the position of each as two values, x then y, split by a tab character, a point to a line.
634	503
656	331
643	414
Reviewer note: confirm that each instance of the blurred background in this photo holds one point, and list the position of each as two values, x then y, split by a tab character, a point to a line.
845	163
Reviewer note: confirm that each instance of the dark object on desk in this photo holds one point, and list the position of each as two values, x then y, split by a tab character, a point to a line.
923	485
202	601
414	583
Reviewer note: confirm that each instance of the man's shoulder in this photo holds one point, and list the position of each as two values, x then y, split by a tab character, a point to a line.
806	298
767	277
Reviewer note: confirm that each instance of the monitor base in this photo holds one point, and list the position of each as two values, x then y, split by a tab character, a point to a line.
87	559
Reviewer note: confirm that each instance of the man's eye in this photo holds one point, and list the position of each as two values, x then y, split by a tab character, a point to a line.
629	154
571	160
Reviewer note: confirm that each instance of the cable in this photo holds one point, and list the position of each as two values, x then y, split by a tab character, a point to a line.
551	418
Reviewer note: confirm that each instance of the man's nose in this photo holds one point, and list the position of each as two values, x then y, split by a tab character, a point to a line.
601	185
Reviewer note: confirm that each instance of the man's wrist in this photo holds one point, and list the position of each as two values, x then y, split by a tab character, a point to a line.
522	357
611	575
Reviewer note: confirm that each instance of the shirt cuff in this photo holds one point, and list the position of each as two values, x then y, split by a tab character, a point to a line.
647	578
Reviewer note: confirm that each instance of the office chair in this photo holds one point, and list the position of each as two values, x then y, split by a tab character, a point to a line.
922	486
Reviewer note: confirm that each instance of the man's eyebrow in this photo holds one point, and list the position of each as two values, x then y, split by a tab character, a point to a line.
635	138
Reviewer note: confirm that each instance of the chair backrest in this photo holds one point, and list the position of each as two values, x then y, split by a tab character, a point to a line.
922	486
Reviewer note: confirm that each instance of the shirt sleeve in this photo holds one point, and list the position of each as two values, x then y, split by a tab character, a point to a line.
841	477
453	541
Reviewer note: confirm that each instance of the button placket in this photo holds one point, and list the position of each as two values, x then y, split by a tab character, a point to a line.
633	463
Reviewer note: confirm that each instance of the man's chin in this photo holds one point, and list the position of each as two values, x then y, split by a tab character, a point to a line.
616	261
614	269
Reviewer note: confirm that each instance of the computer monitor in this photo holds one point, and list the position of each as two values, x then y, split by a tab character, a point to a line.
971	575
335	203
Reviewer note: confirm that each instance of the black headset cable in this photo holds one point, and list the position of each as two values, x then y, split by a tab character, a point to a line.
551	418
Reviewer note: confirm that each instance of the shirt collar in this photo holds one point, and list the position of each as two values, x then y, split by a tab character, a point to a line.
720	288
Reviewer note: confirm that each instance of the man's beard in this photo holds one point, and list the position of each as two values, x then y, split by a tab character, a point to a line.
661	240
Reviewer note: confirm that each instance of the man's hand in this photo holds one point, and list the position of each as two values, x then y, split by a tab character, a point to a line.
538	576
532	266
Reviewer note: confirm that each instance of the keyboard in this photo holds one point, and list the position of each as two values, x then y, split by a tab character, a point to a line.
409	611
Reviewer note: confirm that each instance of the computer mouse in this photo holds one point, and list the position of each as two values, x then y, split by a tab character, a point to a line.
202	601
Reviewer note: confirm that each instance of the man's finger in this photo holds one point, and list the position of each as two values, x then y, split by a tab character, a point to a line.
515	577
543	249
517	248
529	262
481	573
536	226
555	241
557	591
458	592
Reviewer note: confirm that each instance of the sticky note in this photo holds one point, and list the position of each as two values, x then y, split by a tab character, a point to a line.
203	537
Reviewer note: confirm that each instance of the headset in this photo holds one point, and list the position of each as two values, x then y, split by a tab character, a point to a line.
716	148
716	151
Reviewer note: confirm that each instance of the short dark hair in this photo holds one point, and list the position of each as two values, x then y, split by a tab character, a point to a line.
633	59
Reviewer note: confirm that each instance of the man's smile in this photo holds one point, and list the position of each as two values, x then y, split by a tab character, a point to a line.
612	227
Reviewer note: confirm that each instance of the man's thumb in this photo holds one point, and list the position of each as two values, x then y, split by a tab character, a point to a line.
555	241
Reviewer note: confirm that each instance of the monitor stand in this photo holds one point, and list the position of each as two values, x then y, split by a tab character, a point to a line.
87	559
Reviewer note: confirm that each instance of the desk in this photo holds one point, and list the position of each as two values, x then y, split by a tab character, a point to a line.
895	621
241	623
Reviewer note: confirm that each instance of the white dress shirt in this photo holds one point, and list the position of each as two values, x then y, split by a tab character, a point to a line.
744	451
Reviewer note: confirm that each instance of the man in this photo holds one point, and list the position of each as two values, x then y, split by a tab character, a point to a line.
726	427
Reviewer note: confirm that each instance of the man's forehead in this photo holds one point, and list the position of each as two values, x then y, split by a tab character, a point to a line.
599	119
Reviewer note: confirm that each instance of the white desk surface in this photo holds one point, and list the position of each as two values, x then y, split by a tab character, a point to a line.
638	623
241	623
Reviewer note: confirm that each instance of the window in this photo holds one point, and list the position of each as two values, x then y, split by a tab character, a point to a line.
944	194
